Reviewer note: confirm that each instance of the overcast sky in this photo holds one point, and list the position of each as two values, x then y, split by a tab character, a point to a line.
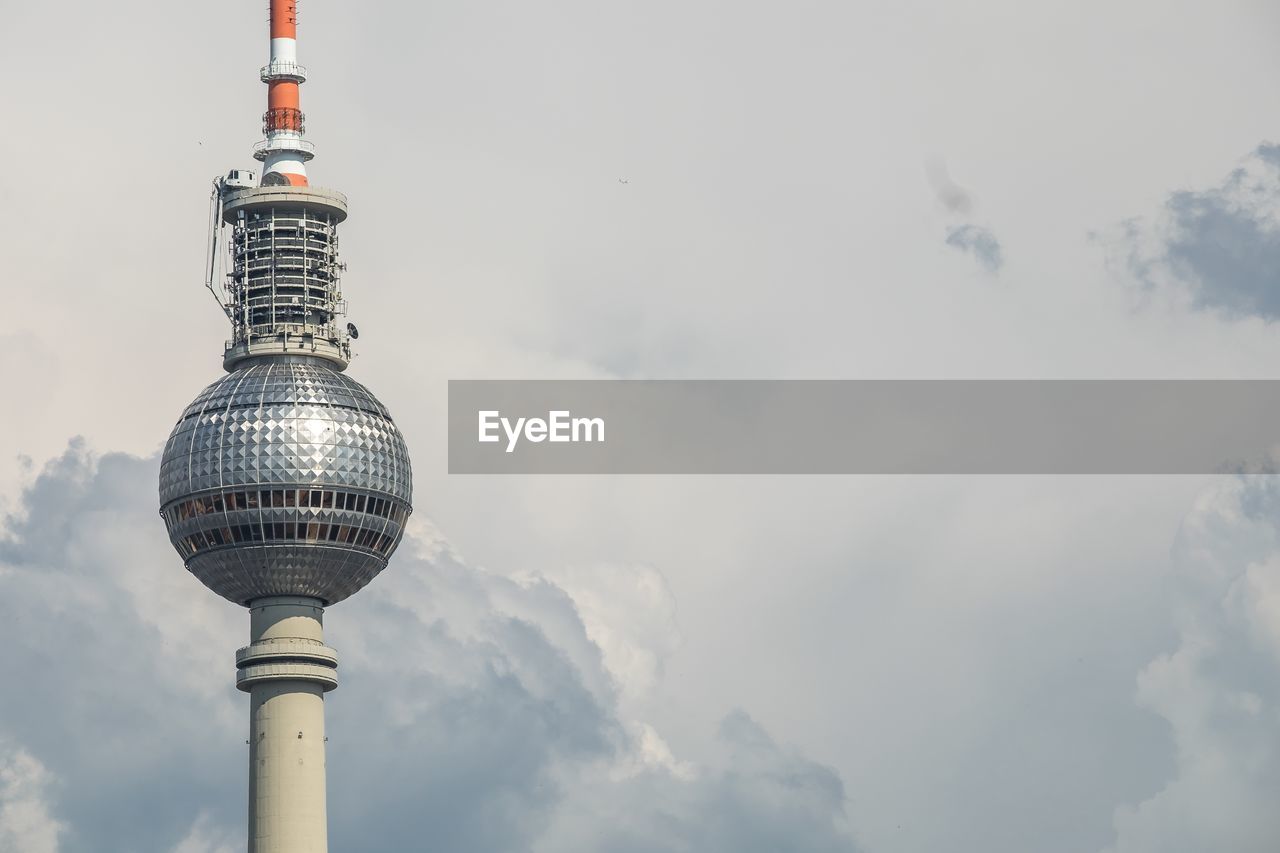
990	189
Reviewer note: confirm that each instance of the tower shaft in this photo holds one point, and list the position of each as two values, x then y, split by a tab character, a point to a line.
286	671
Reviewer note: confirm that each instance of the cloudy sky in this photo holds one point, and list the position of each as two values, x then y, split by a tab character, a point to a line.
907	189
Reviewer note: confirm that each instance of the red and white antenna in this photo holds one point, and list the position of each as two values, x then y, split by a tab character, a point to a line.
283	151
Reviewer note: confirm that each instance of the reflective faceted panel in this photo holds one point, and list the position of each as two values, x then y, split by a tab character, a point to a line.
285	478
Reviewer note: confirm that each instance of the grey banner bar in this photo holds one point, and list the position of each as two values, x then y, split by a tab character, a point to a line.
864	427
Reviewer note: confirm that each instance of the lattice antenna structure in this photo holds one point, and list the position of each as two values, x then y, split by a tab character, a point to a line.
277	238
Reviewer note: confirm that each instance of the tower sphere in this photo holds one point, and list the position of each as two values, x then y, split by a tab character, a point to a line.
285	478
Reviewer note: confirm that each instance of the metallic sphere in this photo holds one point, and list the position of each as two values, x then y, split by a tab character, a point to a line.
285	478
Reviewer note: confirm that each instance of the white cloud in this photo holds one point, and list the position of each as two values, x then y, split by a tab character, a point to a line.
629	612
26	822
756	797
1218	689
205	837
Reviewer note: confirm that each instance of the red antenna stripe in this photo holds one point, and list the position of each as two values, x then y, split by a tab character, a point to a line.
284	19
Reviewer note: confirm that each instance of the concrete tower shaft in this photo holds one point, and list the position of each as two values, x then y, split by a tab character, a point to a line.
286	672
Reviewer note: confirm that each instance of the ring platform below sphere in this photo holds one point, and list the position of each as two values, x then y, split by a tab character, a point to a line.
285	478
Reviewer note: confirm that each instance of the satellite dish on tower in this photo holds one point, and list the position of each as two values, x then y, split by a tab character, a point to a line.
353	331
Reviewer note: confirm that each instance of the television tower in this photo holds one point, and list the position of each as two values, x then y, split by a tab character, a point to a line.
285	486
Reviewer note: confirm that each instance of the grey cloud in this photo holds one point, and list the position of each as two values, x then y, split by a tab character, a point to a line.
952	196
475	709
979	242
1221	246
975	240
115	702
